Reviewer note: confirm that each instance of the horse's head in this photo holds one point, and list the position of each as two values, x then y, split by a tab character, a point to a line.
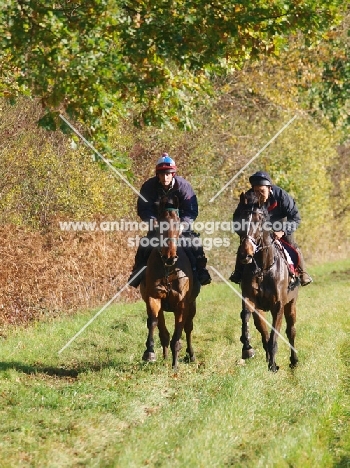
169	229
252	215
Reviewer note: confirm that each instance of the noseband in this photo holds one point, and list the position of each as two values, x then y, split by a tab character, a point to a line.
257	245
168	262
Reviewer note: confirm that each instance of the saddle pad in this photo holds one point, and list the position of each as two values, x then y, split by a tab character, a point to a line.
292	252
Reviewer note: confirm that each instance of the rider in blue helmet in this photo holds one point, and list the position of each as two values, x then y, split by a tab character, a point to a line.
284	217
167	182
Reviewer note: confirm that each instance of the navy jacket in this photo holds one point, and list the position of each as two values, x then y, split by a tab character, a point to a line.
281	207
153	190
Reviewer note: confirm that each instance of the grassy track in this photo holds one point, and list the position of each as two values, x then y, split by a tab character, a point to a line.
97	405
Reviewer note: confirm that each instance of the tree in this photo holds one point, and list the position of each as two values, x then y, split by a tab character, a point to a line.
96	59
331	94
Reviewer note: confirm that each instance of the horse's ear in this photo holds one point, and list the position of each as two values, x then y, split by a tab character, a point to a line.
242	199
176	202
259	200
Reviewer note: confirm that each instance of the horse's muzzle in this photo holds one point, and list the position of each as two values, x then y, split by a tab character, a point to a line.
247	259
169	261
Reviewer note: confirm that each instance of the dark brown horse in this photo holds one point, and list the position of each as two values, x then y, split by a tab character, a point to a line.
169	285
266	283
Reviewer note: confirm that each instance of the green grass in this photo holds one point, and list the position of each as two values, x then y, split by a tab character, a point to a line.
97	405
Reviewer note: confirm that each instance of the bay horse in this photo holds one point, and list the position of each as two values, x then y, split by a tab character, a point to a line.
266	284
169	285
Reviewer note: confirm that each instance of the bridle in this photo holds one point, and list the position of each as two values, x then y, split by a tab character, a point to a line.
169	263
257	242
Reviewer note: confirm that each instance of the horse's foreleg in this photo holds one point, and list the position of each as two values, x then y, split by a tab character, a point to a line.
290	315
260	325
153	308
188	330
164	334
247	350
175	343
277	315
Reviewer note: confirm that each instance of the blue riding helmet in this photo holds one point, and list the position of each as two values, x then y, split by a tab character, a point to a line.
165	164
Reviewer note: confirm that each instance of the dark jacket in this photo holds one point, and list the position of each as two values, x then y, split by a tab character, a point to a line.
153	190
282	208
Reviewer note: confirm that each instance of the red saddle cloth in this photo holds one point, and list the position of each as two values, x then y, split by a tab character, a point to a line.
293	253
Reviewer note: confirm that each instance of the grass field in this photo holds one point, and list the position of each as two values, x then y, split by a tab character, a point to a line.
98	405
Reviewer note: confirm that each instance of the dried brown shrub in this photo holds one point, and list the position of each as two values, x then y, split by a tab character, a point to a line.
46	274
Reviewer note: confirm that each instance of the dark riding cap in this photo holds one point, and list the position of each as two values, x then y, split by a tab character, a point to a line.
165	164
260	178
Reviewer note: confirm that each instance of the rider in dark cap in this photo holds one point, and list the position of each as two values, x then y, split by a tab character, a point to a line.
284	216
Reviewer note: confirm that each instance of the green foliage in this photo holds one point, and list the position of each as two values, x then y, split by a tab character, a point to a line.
326	90
333	92
43	186
44	178
335	95
299	162
101	57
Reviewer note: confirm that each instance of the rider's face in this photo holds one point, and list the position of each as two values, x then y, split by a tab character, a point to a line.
165	179
263	192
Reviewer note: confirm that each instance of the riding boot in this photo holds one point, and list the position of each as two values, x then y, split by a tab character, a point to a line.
197	254
305	278
236	275
202	272
141	259
189	252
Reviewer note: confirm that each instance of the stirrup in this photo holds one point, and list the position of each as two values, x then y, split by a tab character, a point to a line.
304	277
294	282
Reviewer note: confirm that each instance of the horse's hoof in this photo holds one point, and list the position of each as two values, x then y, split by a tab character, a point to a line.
273	368
149	357
189	358
248	353
293	365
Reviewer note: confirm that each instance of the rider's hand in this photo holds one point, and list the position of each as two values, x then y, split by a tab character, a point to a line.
278	234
